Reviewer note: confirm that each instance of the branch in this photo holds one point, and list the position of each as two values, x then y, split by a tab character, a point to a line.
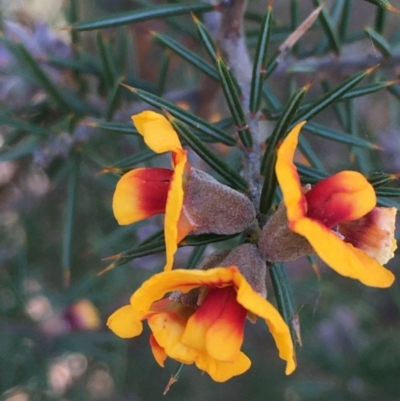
232	43
338	66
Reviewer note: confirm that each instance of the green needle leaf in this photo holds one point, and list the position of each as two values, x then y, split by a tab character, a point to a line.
174	378
187	55
192	120
351	94
284	122
309	153
206	38
345	19
269	159
24	148
26	59
24	126
131	162
163	72
327	26
380	20
338	136
110	71
285	299
388	192
309	175
384	4
158	245
213	160
332	96
367	89
380	179
66	100
70	217
234	104
388	202
144	14
78	65
260	61
196	256
113	99
379	41
272	101
123	128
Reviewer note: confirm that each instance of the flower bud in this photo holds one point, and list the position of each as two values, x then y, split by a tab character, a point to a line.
212	207
248	259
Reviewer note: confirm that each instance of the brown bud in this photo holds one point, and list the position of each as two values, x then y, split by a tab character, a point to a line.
277	243
248	259
215	208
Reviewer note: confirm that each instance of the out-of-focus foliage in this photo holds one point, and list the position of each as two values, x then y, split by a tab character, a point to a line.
66	135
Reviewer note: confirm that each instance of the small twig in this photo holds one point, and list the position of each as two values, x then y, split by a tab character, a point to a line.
291	40
338	66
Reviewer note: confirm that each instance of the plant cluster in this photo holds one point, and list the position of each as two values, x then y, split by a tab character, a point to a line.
247	188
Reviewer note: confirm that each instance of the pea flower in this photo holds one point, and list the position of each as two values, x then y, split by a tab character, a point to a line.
202	320
193	201
83	315
337	219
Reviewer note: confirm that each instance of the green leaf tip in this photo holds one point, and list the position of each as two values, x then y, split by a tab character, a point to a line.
385	5
195	19
130	88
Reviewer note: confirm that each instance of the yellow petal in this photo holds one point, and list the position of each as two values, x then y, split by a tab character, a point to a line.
256	304
225	337
223	371
158	352
160	136
167	328
85	315
173	208
287	176
125	322
343	257
157	132
177	280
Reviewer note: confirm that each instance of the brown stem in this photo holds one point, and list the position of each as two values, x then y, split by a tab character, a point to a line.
232	44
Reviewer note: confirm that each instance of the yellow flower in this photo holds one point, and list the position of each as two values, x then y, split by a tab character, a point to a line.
193	202
207	332
145	192
331	204
83	315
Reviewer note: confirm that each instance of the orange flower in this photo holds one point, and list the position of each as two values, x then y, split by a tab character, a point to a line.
344	197
83	315
207	331
193	202
145	192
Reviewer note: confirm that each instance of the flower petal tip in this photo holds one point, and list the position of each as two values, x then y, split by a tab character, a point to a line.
125	323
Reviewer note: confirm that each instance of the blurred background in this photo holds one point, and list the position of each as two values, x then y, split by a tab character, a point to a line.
56	222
